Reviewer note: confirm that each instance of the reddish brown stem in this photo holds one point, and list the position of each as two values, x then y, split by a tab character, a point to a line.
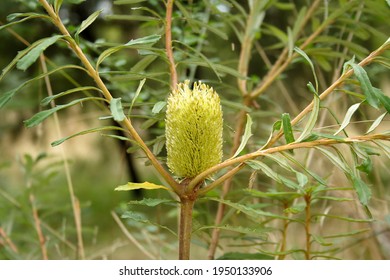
168	43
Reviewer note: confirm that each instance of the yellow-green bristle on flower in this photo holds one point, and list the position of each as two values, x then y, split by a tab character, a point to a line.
193	129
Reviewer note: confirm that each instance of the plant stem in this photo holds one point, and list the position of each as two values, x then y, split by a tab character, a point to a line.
307	226
106	93
186	207
284	233
168	44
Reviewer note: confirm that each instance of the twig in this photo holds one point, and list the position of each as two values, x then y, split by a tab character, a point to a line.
69	180
38	228
8	240
287	147
130	236
168	44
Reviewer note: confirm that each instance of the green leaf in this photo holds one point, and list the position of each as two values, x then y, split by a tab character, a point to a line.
287	129
320	240
239	229
145	185
4	98
49	99
295	209
274	195
147	40
141	219
85	23
375	124
246	136
258	165
151	39
304	55
158	107
335	160
302	179
124	2
92	130
362	190
383	99
138	91
348	117
245	256
365	84
249	211
312	119
152	202
142	64
27	60
117	109
41	116
26	16
275	127
57	5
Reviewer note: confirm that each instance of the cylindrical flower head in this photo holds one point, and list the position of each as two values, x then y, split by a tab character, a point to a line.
193	129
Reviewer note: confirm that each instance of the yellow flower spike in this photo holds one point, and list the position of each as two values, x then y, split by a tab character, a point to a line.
193	129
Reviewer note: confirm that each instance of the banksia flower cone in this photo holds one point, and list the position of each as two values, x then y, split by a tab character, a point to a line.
193	129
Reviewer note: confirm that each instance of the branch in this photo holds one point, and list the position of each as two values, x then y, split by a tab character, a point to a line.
292	146
168	44
106	93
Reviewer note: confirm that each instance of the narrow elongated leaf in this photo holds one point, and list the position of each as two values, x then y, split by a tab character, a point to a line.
57	5
138	91
312	119
218	67
152	202
245	256
383	99
151	39
251	212
141	219
143	63
287	129
48	99
304	55
158	107
362	190
308	171
92	130
274	195
41	116
145	185
275	127
27	60
239	229
365	84
348	117
299	21
26	16
204	58
147	40
125	2
85	23
116	109
246	136
335	160
258	165
5	97
375	124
